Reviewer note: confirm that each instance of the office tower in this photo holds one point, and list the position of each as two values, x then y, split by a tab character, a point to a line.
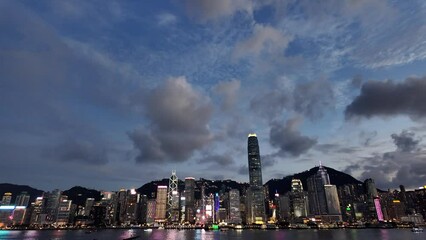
63	212
22	199
234	207
373	205
333	204
150	212
255	167
189	193
284	208
88	206
143	208
161	204
324	175
255	195
132	207
36	211
316	195
182	209
121	206
299	202
173	199
7	199
52	205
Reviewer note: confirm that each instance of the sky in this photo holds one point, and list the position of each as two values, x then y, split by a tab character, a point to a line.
114	94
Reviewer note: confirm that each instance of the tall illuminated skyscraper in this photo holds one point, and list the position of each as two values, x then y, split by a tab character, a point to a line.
255	194
173	199
189	194
161	204
255	167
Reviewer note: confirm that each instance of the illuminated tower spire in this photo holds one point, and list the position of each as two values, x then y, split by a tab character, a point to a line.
172	197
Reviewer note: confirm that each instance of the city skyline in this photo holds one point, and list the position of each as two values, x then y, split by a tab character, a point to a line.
119	93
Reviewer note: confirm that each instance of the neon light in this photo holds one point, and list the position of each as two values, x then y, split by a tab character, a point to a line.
20	207
7	207
378	209
162	187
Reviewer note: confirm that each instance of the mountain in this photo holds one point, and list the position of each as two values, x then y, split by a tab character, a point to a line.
78	195
17	189
210	186
284	185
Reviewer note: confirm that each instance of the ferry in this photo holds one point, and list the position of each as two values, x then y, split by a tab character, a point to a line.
417	229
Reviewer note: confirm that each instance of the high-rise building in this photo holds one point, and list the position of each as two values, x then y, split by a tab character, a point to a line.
316	194
299	201
63	212
333	204
88	206
52	205
132	206
22	199
255	195
234	207
36	211
150	211
161	204
189	194
173	199
7	199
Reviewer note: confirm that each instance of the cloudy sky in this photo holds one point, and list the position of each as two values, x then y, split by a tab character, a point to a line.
110	94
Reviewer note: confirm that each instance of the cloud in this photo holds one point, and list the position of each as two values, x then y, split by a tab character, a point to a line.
206	10
179	116
288	139
80	151
405	141
165	19
389	98
312	98
228	91
217	160
391	169
264	40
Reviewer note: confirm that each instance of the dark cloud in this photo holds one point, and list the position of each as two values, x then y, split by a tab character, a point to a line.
309	99
288	138
79	151
179	116
389	170
312	98
405	141
217	160
389	98
268	161
271	104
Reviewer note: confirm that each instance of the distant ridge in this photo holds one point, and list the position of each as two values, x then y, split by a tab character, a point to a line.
284	185
17	189
79	194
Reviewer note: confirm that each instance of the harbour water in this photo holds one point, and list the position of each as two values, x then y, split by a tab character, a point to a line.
199	234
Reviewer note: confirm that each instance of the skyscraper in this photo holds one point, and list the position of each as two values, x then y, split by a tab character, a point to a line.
255	194
189	194
298	199
255	167
7	198
316	194
22	199
161	204
234	207
173	199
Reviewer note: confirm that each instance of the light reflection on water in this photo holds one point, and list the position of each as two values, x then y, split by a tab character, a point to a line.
162	234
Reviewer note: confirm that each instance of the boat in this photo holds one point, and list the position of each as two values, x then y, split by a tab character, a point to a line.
417	229
148	230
